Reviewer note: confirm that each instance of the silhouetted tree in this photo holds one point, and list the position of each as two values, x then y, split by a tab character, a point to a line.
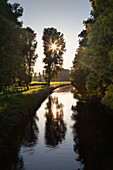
39	77
29	51
17	47
54	48
10	46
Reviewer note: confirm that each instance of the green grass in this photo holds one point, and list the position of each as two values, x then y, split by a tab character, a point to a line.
23	91
35	85
59	83
37	82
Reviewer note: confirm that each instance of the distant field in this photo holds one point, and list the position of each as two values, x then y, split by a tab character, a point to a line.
33	82
60	82
52	83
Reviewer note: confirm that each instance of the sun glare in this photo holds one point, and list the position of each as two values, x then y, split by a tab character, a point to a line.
53	46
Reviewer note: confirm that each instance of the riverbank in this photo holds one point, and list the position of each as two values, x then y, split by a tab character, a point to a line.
16	108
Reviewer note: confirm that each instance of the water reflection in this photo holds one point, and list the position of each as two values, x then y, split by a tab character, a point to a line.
55	127
93	136
65	89
31	133
27	136
10	159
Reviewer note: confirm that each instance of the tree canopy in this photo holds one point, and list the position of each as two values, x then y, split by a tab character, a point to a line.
54	48
95	52
17	47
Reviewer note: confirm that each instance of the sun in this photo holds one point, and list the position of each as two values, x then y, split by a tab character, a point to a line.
53	46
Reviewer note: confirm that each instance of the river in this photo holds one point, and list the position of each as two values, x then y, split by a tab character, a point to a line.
54	139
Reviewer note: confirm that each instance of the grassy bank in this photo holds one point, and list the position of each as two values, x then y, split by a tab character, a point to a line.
14	109
33	87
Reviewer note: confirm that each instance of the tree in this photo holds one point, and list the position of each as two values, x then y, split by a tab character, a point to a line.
10	46
54	48
100	48
39	77
95	53
29	50
80	69
17	47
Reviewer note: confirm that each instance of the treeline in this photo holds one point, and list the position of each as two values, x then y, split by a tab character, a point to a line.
17	47
92	72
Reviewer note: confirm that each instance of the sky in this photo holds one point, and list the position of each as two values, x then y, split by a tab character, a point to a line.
66	16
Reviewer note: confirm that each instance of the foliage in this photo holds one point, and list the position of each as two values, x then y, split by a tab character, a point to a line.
13	62
30	48
108	98
53	56
95	52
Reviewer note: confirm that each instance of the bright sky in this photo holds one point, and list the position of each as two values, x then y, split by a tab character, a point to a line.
65	15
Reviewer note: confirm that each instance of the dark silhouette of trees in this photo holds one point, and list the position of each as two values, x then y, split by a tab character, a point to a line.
29	51
15	64
10	47
54	48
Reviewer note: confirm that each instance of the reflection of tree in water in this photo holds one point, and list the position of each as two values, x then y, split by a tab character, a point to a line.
31	133
55	128
93	136
10	159
27	135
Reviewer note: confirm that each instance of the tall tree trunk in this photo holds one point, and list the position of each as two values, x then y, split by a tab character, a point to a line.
27	87
29	68
102	88
49	76
6	90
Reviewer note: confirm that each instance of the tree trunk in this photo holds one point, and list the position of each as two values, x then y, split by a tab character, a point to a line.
102	88
27	87
49	77
6	90
48	81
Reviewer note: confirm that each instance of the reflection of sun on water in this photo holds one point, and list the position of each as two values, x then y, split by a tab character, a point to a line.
54	110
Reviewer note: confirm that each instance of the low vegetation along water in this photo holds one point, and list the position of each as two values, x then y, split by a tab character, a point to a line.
60	137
